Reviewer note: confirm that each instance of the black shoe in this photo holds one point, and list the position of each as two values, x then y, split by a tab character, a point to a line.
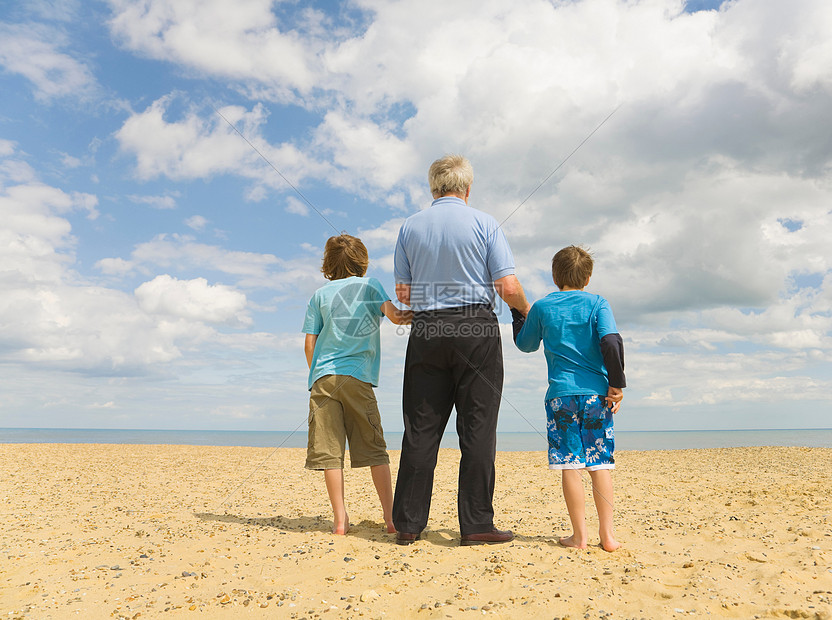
487	538
406	538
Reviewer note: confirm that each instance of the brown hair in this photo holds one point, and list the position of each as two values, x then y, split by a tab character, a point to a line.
344	256
571	267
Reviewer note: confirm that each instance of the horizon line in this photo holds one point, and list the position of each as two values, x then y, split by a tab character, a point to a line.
451	431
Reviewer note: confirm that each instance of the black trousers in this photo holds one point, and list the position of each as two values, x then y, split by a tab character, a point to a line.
454	359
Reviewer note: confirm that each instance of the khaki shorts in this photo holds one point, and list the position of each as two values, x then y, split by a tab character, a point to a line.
343	408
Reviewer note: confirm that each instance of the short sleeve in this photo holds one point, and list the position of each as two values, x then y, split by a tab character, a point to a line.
377	295
500	258
401	264
605	321
313	322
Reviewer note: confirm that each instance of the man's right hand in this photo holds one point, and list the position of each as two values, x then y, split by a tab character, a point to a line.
403	293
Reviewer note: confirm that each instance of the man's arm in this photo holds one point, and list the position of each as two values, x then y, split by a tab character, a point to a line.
396	315
511	292
309	347
403	293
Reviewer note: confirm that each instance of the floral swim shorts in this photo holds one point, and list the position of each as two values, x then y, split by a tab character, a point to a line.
580	433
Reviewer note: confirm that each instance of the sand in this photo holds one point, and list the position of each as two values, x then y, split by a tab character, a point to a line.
129	531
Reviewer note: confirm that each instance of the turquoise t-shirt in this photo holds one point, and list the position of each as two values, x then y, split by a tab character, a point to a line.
571	325
345	314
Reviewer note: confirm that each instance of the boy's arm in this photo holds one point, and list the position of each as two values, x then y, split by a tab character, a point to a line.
397	315
527	335
612	350
309	347
517	322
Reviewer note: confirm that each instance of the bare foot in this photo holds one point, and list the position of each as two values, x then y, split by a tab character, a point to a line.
571	541
341	528
610	544
391	529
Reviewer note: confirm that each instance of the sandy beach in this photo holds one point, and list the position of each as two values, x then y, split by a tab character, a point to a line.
130	531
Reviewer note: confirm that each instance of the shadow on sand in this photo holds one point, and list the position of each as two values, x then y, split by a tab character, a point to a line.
367	530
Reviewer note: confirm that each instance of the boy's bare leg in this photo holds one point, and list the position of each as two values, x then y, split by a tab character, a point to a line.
335	488
384	488
602	494
573	493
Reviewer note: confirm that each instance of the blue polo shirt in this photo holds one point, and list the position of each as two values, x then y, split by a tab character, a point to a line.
450	254
571	325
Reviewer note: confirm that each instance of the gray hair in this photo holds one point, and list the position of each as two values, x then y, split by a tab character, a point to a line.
451	174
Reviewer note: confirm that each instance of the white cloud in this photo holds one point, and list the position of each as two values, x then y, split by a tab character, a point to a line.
168	201
16	171
196	222
361	149
183	251
108	405
240	41
195	148
187	149
295	277
35	241
515	99
293	205
34	51
54	319
713	242
70	162
7	147
114	266
61	10
50	316
789	42
13	170
382	237
194	300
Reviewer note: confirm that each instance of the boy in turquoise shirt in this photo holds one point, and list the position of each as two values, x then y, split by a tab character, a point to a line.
585	356
343	347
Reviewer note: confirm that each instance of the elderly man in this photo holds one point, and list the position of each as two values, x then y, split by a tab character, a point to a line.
449	261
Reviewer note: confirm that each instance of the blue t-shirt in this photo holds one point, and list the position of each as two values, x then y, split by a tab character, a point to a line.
450	255
345	314
571	325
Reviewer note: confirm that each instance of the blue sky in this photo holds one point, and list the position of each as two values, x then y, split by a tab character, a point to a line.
155	270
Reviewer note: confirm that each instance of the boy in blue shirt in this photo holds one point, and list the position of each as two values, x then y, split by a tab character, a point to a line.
343	347
585	356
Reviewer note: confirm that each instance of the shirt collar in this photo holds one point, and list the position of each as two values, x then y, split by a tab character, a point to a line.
448	200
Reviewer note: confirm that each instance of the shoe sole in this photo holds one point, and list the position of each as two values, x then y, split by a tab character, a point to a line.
471	543
405	542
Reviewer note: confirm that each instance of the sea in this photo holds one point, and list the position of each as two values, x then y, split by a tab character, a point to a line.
506	441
